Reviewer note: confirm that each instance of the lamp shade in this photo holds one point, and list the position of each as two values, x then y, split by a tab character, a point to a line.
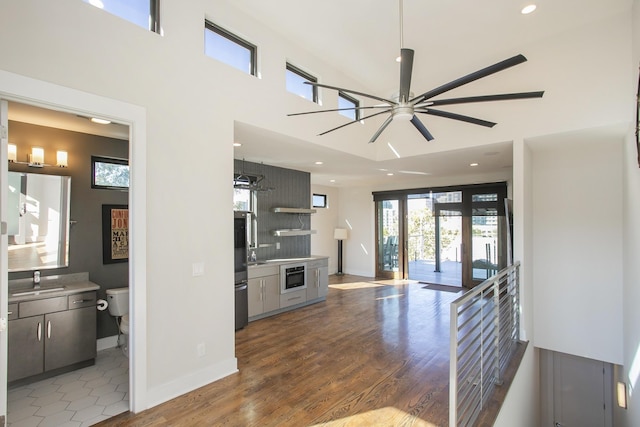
12	154
37	155
340	234
61	159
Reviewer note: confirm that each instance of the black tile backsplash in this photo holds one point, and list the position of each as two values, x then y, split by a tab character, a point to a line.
290	189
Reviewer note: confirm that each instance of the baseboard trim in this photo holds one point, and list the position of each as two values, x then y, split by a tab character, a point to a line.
107	342
190	382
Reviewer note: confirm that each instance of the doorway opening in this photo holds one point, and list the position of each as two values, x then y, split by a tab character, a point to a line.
435	238
22	89
91	382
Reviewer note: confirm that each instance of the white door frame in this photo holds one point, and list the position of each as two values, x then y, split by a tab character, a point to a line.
14	87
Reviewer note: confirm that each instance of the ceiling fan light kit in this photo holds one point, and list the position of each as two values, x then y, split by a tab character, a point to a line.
405	107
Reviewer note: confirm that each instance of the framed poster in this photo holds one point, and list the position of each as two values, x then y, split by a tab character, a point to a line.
115	233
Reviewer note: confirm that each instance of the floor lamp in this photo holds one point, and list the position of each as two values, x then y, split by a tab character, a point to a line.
340	234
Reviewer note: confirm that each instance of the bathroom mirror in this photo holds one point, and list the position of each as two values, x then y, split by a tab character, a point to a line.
38	221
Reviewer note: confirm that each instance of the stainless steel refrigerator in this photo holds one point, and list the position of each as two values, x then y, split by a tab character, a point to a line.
240	263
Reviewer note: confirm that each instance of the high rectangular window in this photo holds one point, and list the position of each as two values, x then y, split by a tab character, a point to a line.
144	13
295	83
109	173
319	200
346	101
226	47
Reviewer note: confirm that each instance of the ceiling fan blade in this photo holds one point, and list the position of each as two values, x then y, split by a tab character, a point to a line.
341	89
381	129
406	66
485	98
455	116
338	109
354	121
422	128
502	65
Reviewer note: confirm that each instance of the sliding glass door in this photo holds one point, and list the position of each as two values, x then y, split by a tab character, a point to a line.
389	239
446	236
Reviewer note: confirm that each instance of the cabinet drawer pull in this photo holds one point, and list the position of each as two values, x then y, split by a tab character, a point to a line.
39	331
49	329
80	301
10	313
291	299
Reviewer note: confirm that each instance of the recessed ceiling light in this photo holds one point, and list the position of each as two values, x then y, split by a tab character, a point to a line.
96	3
473	164
390	174
100	121
237	144
528	9
332	180
319	163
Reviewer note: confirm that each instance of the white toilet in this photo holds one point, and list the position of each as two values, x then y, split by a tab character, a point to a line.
118	300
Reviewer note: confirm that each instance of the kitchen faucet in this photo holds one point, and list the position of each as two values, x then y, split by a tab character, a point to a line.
36	279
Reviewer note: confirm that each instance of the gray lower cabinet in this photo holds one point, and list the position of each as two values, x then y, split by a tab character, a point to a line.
317	279
51	333
26	348
264	290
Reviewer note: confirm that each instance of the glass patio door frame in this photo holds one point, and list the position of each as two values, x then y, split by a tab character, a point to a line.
400	249
467	206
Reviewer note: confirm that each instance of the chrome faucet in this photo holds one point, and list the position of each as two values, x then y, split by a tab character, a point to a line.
36	279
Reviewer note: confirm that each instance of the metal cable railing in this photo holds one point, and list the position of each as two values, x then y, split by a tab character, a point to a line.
485	325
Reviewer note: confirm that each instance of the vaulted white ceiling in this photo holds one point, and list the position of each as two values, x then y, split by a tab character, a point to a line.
575	54
451	39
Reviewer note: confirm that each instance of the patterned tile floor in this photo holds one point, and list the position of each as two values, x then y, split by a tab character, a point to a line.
79	398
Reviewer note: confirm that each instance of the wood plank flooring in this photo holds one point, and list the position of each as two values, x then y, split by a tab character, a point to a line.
376	349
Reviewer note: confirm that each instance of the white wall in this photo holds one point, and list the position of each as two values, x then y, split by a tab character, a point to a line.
630	372
324	222
522	401
577	246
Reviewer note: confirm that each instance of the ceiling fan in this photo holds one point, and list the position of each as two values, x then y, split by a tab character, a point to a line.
405	106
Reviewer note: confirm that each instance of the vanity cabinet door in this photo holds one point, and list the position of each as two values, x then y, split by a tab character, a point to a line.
26	347
70	337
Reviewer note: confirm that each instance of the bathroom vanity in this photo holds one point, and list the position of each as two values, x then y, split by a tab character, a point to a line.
51	329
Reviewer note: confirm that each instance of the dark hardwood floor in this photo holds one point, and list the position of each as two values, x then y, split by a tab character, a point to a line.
375	353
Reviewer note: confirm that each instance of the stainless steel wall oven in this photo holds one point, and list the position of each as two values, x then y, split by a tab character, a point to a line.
293	277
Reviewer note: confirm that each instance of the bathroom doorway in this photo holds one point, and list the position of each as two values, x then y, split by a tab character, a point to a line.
20	89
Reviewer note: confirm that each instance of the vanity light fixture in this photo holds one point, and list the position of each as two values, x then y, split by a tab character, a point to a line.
61	159
36	158
12	153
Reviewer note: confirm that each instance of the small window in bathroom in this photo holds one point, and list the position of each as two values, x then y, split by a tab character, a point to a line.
109	173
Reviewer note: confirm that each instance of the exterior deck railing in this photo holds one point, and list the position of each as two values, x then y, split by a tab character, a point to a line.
485	325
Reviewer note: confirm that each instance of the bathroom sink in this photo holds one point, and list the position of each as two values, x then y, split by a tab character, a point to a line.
257	263
37	292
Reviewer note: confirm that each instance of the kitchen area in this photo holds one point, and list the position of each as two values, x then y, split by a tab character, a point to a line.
274	269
